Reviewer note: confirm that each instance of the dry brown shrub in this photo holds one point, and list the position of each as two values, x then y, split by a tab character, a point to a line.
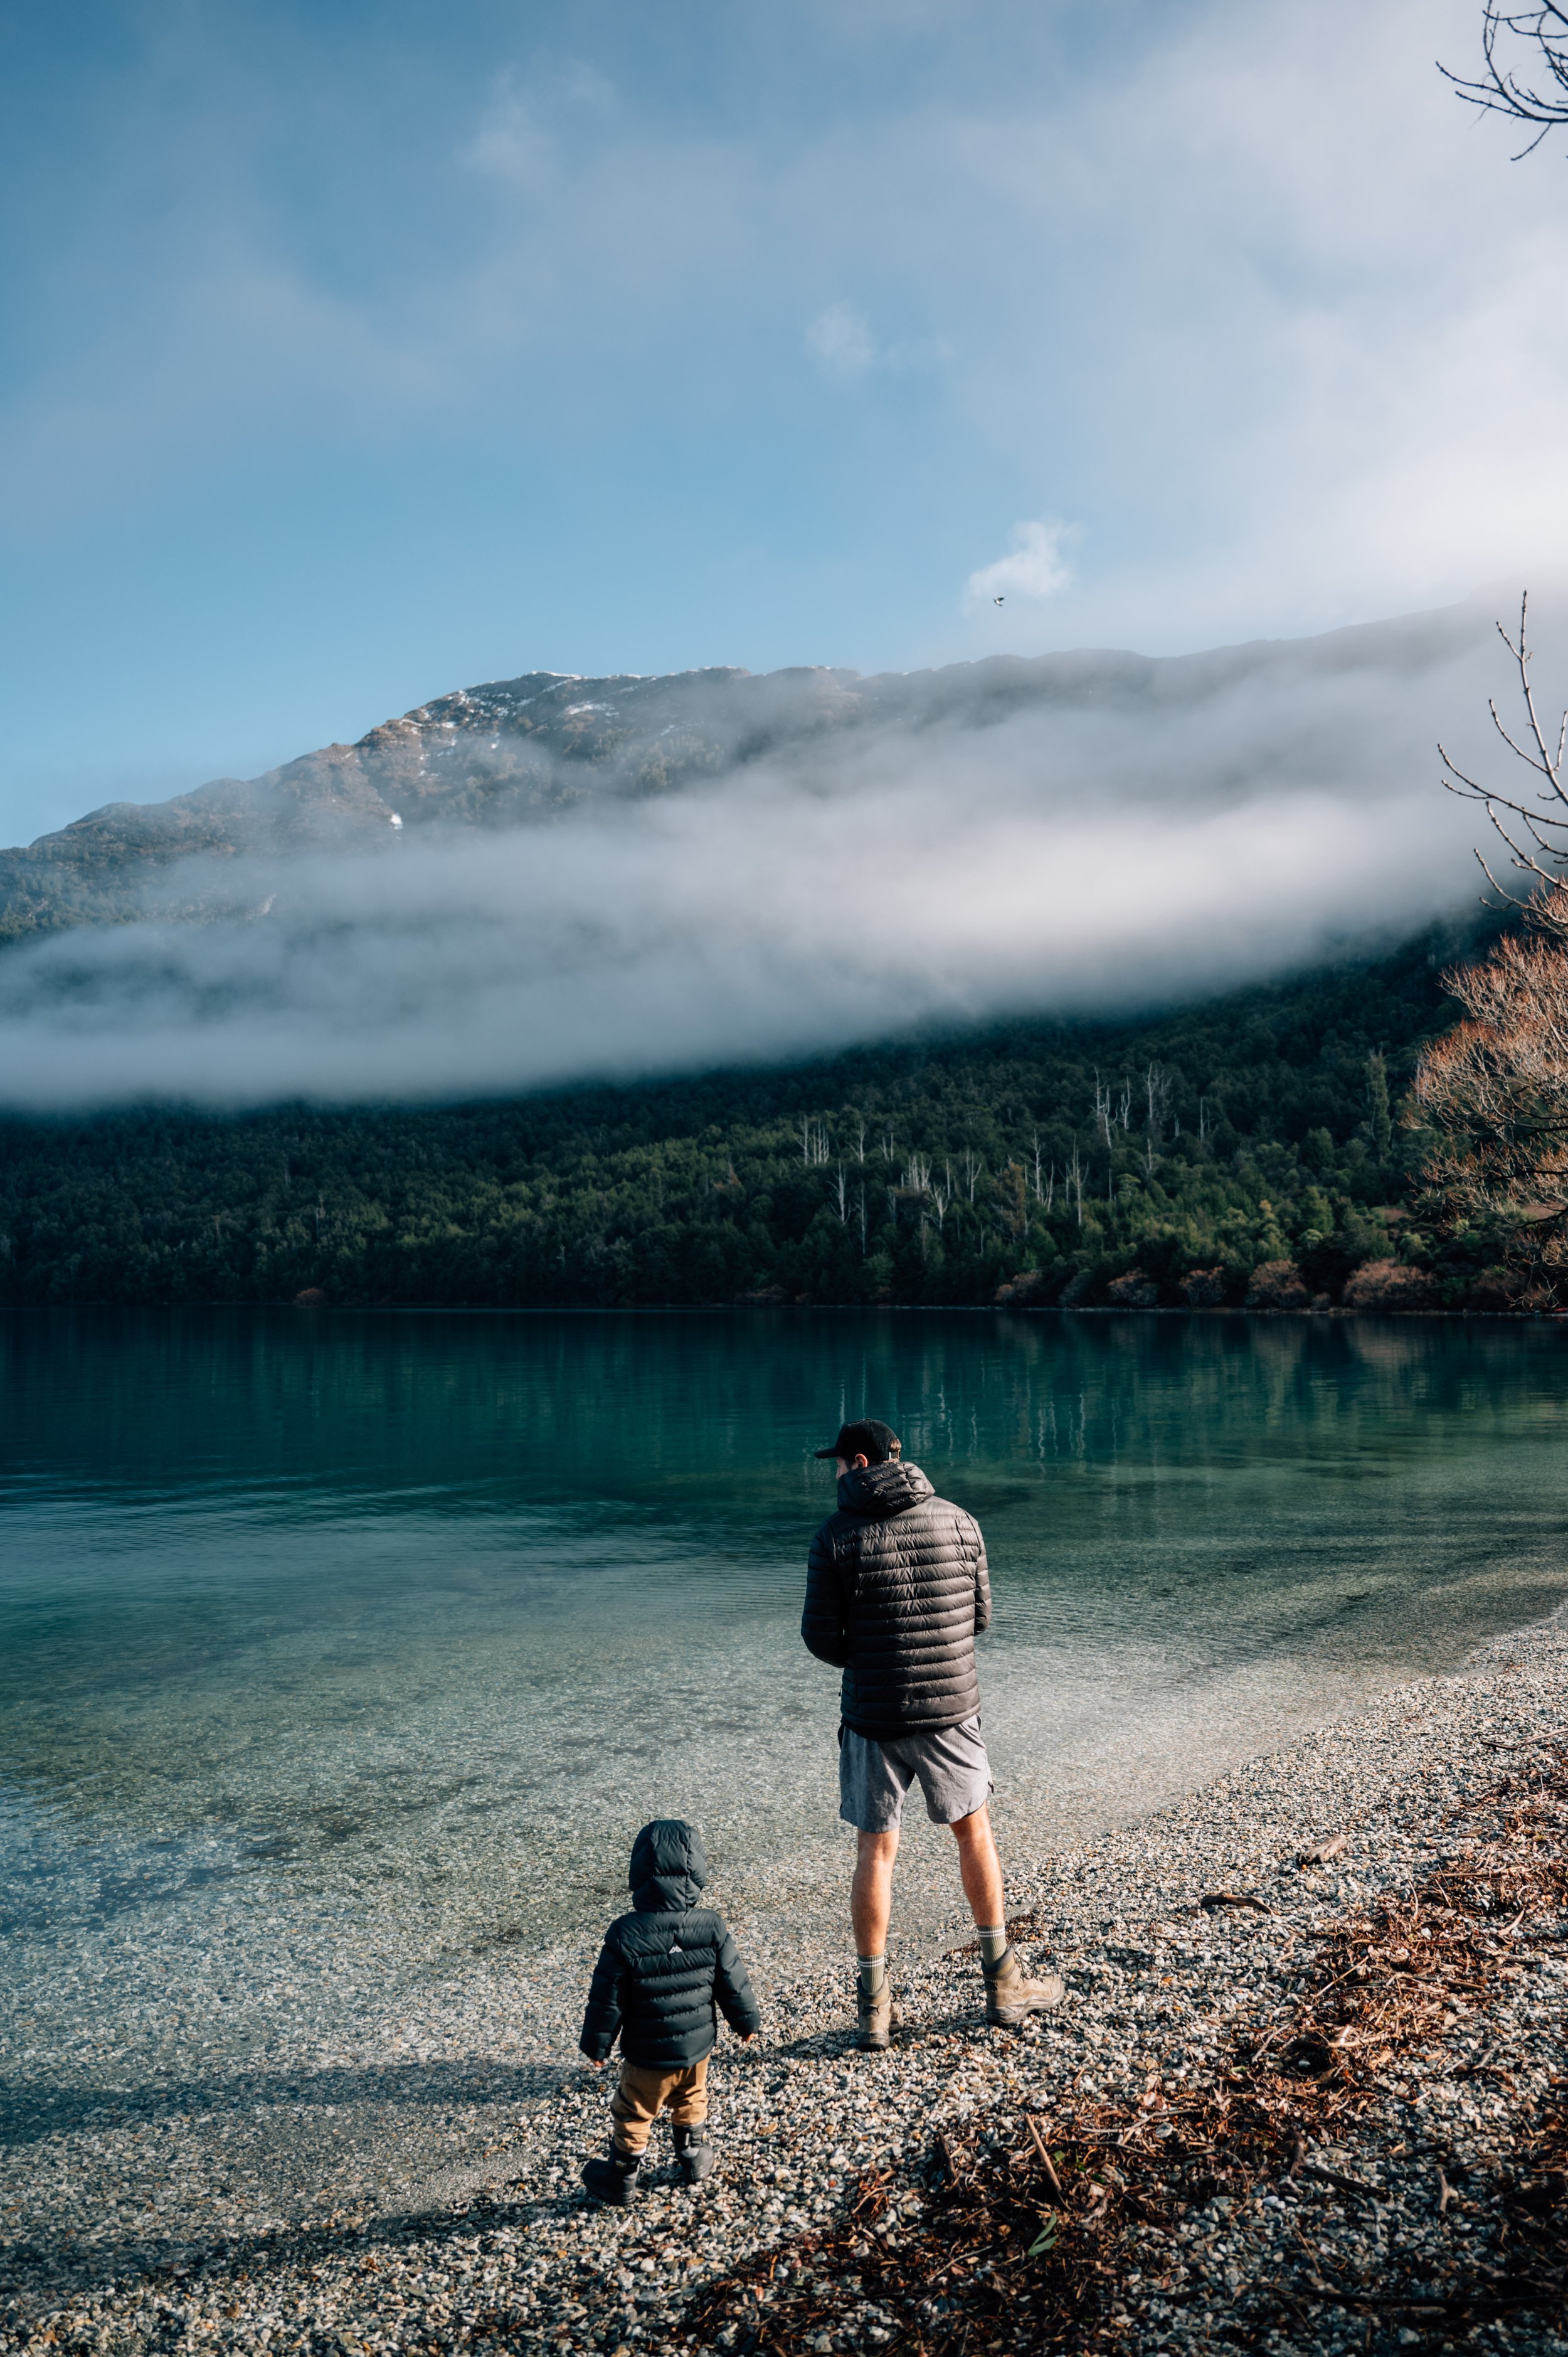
1389	1284
1204	1288
1018	1292
1277	1284
1136	1290
1496	1087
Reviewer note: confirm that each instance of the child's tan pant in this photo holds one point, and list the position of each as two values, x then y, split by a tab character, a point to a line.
643	2095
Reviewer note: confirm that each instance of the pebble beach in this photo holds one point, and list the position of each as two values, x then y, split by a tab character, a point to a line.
428	2200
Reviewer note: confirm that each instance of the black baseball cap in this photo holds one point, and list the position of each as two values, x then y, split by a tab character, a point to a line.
874	1441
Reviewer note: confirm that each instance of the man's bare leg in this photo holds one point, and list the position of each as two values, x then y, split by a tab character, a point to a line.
871	1893
871	1909
979	1868
1010	1995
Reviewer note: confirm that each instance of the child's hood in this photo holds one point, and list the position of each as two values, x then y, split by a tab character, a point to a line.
669	1866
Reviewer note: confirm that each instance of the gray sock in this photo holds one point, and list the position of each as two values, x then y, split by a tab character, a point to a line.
992	1941
872	1972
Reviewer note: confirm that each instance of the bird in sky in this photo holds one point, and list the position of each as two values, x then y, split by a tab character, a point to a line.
998	602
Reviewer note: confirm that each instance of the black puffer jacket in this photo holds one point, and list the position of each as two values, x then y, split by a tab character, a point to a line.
895	1593
665	1969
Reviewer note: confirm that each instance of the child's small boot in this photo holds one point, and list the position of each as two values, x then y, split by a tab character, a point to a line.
694	2154
614	2181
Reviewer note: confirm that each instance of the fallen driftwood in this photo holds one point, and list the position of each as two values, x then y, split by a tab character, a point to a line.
1332	2176
1321	1852
1212	1901
1048	2167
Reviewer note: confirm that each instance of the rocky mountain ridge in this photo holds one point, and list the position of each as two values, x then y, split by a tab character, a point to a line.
523	751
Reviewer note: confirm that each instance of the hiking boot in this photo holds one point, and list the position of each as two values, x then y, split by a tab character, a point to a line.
1009	1998
873	2019
693	2154
614	2181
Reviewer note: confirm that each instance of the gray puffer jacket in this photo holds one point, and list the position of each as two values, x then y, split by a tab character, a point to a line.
667	1970
897	1592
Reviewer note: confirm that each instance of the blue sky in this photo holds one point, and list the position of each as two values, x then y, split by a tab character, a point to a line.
360	352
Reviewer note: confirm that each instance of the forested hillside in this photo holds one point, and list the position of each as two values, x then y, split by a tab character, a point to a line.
1247	1149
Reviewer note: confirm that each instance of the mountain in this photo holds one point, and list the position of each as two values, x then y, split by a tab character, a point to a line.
523	751
1215	1149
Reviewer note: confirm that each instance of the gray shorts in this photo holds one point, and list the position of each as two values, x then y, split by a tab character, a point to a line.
954	1773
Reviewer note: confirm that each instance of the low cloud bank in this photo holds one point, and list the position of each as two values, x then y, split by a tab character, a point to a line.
1076	862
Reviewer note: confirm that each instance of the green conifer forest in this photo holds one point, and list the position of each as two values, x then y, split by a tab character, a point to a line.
1250	1149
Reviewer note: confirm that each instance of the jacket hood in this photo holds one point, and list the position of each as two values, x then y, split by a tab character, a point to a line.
879	1489
668	1866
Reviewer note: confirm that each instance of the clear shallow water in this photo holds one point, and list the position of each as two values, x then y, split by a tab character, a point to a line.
413	1618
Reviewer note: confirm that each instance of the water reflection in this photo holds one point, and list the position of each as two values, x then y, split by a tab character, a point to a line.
364	1595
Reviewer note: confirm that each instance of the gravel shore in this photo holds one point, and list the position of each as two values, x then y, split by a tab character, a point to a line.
831	2162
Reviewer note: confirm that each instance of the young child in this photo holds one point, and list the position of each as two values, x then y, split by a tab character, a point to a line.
663	1972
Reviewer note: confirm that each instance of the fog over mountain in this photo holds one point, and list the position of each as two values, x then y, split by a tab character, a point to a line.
548	878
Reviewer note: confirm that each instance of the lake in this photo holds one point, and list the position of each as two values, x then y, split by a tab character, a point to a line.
342	1654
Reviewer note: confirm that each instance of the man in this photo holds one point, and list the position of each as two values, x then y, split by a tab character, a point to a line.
895	1593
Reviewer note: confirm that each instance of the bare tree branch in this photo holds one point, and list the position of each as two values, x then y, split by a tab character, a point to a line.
1517	43
1539	824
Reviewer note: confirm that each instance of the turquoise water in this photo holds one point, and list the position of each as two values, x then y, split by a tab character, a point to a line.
432	1611
341	1657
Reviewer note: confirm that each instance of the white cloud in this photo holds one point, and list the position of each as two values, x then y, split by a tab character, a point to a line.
1184	832
521	137
511	145
840	342
1034	569
845	347
1315	367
